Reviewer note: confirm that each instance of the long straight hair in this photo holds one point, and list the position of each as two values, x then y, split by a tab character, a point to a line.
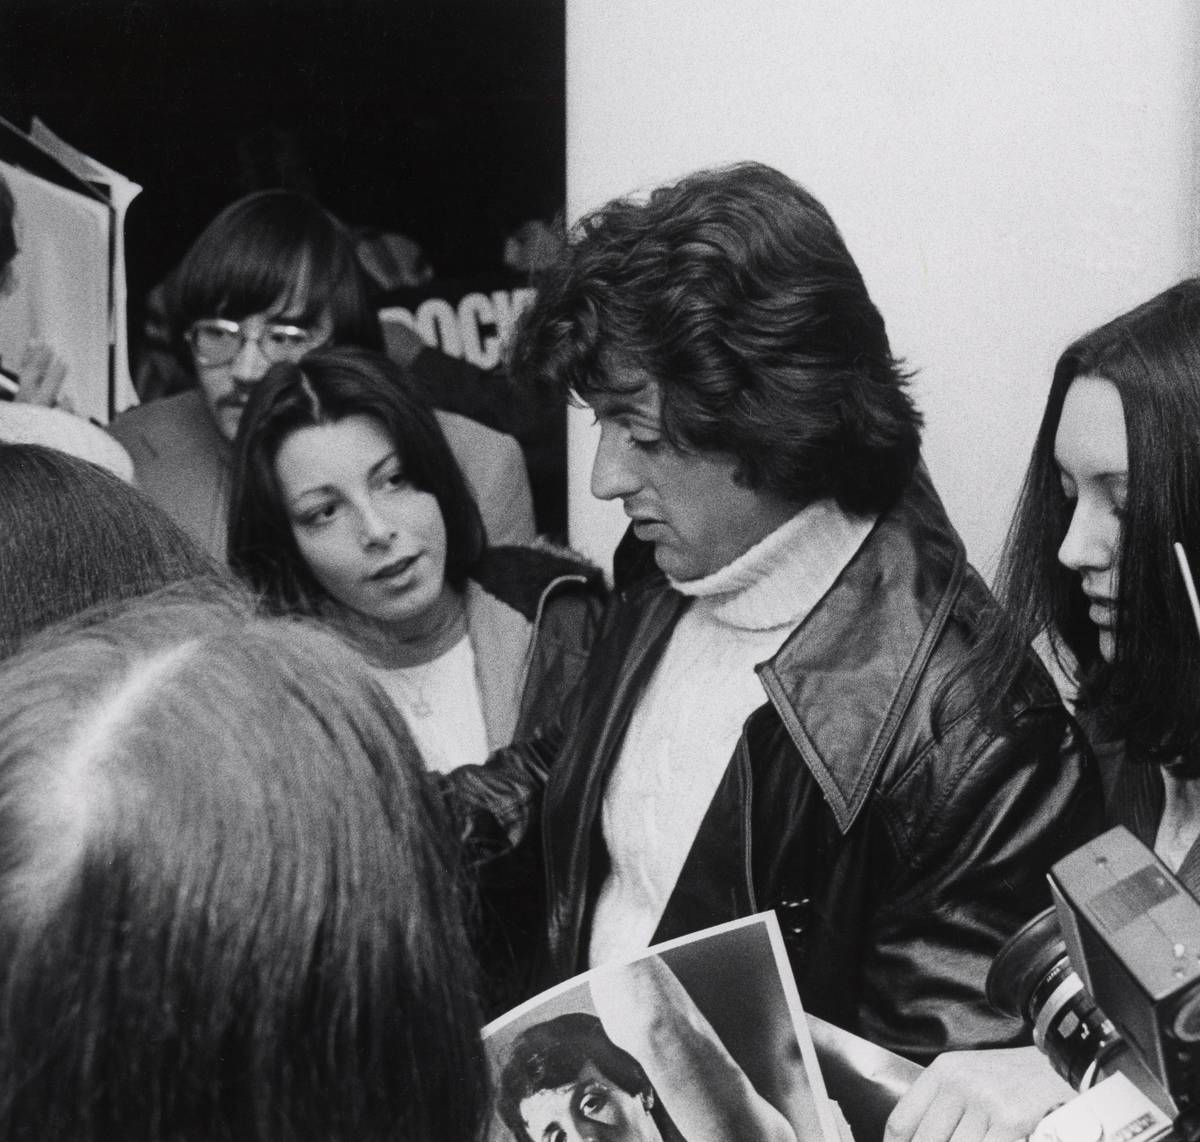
1147	695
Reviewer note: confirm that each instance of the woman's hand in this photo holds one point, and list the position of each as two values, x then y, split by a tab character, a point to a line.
978	1096
42	373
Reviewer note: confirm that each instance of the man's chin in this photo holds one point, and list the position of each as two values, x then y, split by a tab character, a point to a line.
676	565
227	420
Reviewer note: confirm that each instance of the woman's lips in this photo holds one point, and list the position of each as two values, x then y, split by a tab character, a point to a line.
393	570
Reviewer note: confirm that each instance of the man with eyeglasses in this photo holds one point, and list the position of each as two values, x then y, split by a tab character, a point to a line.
272	277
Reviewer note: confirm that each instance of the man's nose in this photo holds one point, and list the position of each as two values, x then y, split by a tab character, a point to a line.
612	474
250	364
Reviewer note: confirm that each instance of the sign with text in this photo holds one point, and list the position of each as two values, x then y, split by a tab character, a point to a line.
467	318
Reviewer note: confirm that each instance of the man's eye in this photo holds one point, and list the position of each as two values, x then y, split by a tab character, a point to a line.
593	1103
645	443
287	336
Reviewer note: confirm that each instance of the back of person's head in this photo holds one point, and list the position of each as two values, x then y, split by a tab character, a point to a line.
227	906
1151	355
275	250
552	1054
733	289
327	386
74	536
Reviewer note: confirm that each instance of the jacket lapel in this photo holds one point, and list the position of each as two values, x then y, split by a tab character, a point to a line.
574	795
843	679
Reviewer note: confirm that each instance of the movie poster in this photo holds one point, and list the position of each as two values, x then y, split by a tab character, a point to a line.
695	1040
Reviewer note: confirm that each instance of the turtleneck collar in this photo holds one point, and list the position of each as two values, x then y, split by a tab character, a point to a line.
783	576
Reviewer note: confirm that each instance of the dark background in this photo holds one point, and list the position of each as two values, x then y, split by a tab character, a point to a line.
443	119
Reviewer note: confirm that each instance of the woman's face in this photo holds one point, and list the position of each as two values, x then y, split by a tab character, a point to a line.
375	542
1091	453
590	1109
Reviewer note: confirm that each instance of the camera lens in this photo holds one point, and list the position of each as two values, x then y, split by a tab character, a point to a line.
1031	977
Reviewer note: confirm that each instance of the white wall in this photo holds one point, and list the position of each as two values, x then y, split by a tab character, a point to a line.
1007	175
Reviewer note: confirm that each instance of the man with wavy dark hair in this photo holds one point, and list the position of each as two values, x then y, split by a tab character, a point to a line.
777	714
585	1079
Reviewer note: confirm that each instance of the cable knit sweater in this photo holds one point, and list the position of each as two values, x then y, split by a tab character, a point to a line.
688	721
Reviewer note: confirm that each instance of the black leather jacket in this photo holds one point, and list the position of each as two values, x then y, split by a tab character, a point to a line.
900	839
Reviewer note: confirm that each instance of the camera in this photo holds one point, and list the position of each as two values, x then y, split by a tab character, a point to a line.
1109	978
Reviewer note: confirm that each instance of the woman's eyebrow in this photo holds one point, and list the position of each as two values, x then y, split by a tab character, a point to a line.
304	493
383	462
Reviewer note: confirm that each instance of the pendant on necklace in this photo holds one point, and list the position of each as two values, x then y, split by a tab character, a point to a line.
421	707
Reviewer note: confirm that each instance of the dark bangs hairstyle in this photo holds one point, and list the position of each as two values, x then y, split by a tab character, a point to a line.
733	289
552	1054
327	386
273	247
1147	696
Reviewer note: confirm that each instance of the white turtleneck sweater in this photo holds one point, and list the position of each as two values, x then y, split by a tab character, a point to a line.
684	730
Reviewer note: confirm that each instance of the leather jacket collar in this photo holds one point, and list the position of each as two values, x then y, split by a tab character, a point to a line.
885	612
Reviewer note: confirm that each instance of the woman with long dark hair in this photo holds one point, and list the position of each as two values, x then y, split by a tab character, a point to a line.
348	505
1089	567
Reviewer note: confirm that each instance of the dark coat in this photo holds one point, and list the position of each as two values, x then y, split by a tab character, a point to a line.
899	837
532	614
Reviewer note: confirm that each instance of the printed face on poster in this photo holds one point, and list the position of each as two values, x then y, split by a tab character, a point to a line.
698	1038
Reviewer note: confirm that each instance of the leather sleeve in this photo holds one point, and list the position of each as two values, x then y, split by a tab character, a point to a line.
974	824
494	805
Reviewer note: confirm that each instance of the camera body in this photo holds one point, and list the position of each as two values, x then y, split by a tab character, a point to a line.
1132	933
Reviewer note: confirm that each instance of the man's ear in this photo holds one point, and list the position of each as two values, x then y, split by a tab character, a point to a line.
648	1100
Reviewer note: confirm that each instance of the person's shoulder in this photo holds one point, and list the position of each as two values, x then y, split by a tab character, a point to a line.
462	431
521	574
55	428
159	424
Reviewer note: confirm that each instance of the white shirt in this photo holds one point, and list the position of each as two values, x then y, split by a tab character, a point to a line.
687	723
442	707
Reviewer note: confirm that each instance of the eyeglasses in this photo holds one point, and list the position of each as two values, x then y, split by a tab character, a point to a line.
218	341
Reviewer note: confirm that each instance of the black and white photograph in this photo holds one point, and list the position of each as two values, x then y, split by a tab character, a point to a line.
662	530
699	1038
